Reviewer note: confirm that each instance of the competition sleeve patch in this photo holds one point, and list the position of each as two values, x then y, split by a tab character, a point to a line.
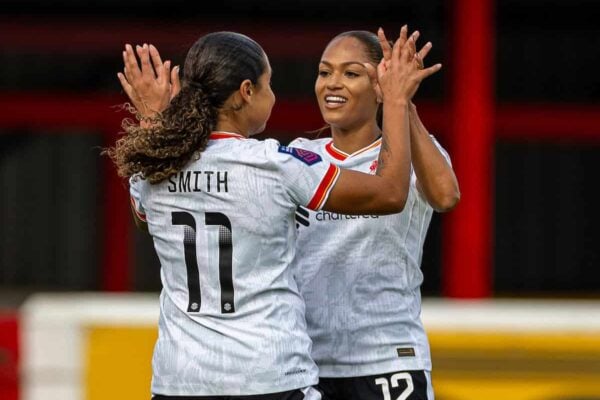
324	188
306	156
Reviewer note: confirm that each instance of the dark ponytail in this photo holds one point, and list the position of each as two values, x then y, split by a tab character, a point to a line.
215	67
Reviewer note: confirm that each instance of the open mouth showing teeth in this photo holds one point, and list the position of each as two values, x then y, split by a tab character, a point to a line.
335	99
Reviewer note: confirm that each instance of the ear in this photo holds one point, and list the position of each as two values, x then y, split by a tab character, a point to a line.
246	90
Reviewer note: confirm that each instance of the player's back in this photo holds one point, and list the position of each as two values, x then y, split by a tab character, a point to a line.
231	319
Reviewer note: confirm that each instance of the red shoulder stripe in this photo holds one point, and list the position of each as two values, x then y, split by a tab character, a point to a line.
324	188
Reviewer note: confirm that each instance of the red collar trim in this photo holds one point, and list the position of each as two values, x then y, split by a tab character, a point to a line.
340	155
225	135
335	153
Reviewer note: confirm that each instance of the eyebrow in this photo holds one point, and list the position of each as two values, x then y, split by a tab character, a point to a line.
342	64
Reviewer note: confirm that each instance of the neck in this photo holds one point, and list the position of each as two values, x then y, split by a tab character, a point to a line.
225	124
354	139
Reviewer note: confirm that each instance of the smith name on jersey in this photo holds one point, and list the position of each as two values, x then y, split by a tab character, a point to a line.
360	278
231	316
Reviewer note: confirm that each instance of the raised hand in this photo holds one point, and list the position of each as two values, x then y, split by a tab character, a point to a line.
406	62
401	70
151	84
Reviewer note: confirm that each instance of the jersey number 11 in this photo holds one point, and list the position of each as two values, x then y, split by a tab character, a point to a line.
191	262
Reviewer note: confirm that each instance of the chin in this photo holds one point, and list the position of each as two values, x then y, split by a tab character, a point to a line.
336	122
334	119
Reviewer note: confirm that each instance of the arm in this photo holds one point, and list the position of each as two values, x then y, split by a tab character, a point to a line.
435	178
150	89
386	193
139	215
140	223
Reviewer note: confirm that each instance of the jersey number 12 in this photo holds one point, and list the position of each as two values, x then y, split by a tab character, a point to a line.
394	380
188	221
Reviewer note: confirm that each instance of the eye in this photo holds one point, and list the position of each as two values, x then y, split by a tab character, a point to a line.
323	73
351	74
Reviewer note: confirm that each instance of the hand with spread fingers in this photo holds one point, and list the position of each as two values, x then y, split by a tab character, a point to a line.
151	83
436	180
401	70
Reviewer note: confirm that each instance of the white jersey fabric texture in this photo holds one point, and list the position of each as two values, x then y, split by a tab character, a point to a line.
360	277
231	316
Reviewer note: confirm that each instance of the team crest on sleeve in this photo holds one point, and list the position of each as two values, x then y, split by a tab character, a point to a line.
306	156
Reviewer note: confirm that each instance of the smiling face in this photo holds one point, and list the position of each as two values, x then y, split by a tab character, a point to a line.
344	91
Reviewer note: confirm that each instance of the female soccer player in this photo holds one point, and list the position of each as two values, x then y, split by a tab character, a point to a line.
360	275
220	208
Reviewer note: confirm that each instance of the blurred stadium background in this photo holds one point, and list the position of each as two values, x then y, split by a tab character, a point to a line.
512	277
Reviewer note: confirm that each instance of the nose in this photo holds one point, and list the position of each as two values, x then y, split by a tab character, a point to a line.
334	82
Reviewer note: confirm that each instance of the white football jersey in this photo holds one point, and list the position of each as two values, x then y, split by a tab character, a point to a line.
231	317
360	277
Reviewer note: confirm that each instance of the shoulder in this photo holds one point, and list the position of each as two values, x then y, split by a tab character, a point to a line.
314	145
249	149
280	156
295	154
137	182
300	141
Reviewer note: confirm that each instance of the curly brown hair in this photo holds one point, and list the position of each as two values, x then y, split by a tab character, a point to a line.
162	149
215	67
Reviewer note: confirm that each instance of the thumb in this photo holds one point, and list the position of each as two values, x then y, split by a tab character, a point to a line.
382	68
372	73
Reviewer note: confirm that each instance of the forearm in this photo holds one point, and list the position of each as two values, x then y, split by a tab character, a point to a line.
395	154
435	177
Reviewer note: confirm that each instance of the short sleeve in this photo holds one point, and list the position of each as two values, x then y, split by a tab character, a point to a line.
413	176
307	178
135	183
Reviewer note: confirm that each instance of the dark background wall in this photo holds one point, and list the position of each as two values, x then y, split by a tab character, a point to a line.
53	220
